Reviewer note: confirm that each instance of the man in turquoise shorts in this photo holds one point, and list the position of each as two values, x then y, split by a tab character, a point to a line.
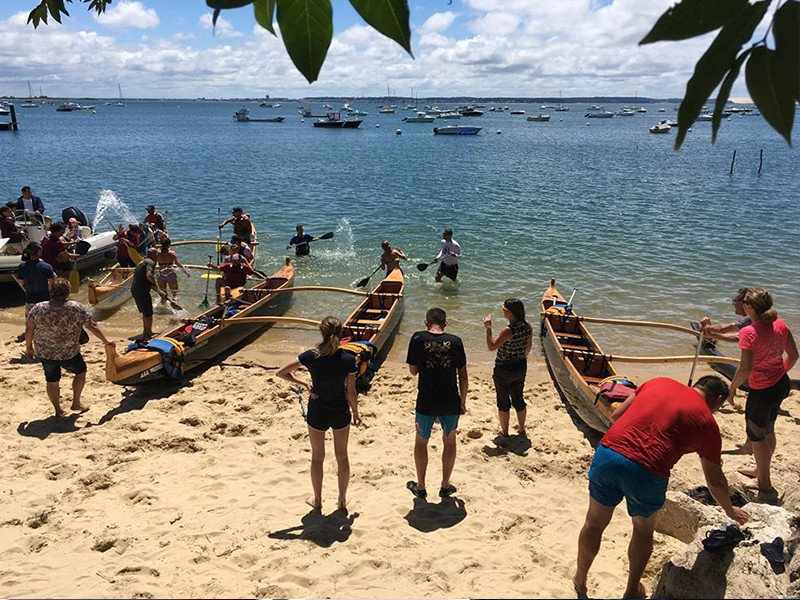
438	358
651	431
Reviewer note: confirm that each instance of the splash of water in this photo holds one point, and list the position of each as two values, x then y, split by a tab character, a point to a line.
345	239
112	207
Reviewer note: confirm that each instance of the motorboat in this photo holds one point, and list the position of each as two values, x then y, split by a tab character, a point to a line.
420	117
661	127
561	108
516	112
626	112
470	111
333	120
449	115
456	130
601	114
100	248
243	116
705	117
541	118
68	107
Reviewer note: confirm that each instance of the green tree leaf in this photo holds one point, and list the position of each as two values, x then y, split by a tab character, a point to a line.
264	11
770	90
724	93
224	4
307	30
389	17
715	63
787	43
691	18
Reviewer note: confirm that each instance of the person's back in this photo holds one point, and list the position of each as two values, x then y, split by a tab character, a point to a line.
52	246
665	421
140	279
36	273
58	328
767	342
438	356
328	374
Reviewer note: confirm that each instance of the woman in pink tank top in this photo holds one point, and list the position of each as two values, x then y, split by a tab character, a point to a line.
768	353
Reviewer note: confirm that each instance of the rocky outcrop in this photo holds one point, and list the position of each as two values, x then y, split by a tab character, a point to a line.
741	573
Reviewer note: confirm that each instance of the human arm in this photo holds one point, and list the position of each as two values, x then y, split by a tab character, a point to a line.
398	252
463	387
529	345
718	486
741	375
455	250
352	397
92	326
622	408
791	353
178	263
728	332
225	222
287	372
493	343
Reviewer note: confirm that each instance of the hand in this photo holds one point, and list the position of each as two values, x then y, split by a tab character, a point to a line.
732	397
487	322
29	353
110	343
704	322
739	515
463	408
289	247
356	419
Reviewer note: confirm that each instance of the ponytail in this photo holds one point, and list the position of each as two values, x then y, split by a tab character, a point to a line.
331	330
760	301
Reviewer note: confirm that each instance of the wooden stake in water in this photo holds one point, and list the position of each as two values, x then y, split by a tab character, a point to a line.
760	160
733	159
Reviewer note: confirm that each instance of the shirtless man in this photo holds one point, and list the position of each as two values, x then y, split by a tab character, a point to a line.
391	257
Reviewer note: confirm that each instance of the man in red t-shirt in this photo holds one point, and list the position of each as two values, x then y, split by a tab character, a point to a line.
651	431
235	272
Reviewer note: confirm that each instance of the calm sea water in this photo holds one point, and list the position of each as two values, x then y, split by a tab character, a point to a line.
643	231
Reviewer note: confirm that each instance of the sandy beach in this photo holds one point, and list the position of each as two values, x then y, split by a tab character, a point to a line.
198	490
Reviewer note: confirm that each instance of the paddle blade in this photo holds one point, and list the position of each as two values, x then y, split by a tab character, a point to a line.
422	266
74	282
134	255
326	236
204	303
210	276
363	282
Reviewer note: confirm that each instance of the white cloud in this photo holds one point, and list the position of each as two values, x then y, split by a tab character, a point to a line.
128	15
223	29
438	23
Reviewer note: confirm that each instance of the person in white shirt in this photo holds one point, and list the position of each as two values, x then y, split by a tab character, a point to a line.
448	257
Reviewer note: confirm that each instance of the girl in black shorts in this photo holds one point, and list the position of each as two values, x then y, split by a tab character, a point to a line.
333	404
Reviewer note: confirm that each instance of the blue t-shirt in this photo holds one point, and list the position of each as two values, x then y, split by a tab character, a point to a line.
300	243
35	274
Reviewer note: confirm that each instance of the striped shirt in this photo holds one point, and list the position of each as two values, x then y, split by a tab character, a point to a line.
513	351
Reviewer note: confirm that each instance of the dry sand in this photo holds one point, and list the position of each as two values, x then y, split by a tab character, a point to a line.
198	490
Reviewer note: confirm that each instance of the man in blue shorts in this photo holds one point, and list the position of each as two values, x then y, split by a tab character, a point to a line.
651	431
438	358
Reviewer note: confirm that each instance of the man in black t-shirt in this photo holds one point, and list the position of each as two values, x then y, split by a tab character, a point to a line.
441	363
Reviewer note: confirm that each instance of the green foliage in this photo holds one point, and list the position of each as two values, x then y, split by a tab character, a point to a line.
772	76
224	4
771	94
264	12
389	17
54	8
307	31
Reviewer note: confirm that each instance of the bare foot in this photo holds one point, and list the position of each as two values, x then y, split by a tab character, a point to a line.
61	414
81	408
641	592
580	587
748	472
314	503
342	503
752	484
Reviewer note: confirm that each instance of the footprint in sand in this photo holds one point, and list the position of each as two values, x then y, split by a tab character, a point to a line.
60	471
141	496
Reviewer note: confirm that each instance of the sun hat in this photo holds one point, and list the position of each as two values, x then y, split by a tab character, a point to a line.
73	221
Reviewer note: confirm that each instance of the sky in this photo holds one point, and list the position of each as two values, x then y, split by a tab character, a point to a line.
480	48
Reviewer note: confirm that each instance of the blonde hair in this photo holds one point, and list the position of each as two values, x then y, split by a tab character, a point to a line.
331	330
760	301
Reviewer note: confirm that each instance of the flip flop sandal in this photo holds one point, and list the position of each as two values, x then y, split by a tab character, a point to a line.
448	491
418	493
773	552
727	538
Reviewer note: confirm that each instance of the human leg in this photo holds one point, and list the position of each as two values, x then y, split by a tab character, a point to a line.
340	439
448	457
639	550
516	388
503	398
317	440
421	459
77	388
598	517
52	377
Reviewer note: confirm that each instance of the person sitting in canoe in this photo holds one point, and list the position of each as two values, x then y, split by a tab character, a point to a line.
235	272
391	257
242	225
237	246
8	229
166	275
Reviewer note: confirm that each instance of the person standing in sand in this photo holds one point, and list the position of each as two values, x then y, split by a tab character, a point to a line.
513	344
650	432
763	344
439	361
332	404
53	330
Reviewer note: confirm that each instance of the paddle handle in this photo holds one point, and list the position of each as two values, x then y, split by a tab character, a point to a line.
694	362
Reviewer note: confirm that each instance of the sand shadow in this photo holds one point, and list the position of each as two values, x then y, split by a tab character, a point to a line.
427	517
591	435
138	397
323	530
43	428
514	444
707	577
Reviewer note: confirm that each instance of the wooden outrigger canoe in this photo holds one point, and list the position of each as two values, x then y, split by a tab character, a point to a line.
112	291
577	362
202	338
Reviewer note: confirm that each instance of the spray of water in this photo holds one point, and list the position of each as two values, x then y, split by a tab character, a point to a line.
114	208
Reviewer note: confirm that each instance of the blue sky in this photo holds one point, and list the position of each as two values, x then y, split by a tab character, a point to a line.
166	49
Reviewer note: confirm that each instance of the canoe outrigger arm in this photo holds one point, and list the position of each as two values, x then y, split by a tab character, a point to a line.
649	359
267	319
632	323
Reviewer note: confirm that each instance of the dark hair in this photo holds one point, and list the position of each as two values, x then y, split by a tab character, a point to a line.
57	226
59	289
713	387
740	294
448	231
236	238
26	188
149	206
165	244
436	316
299	226
331	330
516	308
385	244
237	209
33	248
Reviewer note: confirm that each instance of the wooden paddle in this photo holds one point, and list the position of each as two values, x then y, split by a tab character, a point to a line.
324	236
204	303
423	266
694	362
74	279
133	253
366	279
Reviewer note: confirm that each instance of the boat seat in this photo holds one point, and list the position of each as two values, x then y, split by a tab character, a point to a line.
368	322
591	380
575	347
568	335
